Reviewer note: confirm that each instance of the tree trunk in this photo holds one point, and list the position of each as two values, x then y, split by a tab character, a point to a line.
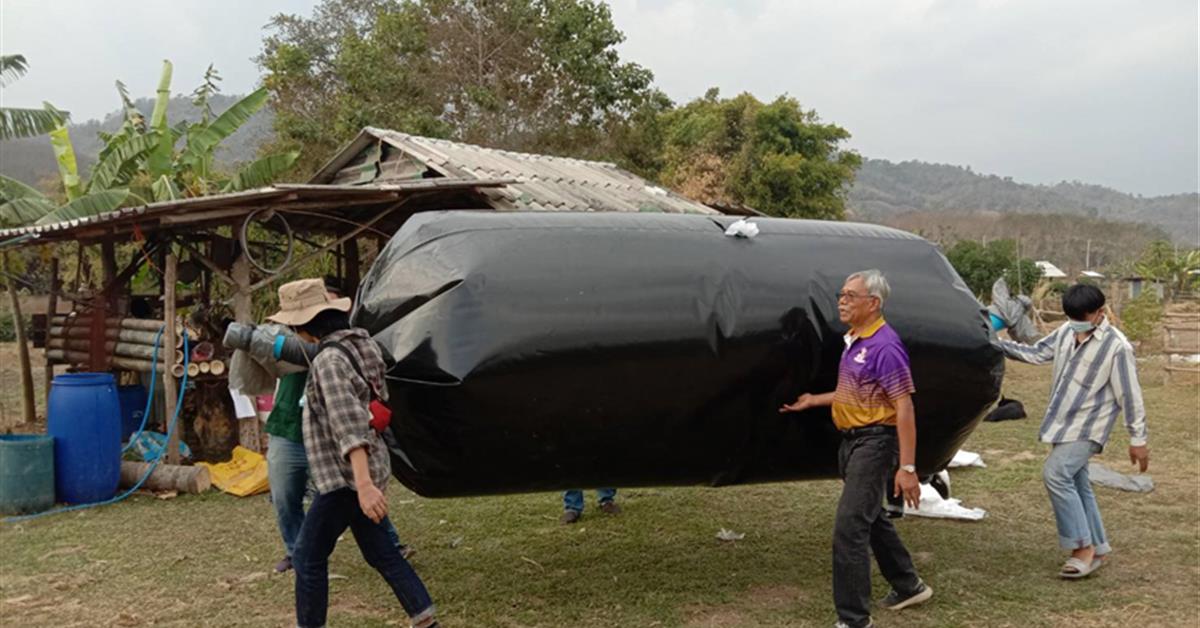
27	408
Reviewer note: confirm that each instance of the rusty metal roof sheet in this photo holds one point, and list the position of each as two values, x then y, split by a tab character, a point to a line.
541	182
203	209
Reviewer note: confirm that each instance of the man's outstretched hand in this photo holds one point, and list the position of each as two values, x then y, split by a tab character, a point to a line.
801	404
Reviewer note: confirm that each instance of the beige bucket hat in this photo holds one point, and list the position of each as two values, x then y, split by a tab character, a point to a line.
300	301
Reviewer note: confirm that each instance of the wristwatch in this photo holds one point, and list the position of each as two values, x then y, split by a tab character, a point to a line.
909	468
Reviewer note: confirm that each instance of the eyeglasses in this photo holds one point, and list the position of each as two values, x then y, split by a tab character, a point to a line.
850	295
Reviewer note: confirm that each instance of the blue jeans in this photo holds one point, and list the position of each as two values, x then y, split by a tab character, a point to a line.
328	517
287	470
573	500
1075	511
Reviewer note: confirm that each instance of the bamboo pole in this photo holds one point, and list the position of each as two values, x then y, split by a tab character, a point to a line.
143	324
129	336
170	386
204	367
193	368
217	367
71	356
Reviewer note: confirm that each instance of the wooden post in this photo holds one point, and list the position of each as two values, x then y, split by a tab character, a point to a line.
27	402
249	435
51	312
350	283
170	388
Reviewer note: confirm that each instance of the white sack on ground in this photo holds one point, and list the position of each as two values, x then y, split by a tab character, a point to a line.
966	458
932	505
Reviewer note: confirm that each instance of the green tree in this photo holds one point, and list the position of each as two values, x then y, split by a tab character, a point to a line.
776	157
529	75
980	265
16	122
1163	262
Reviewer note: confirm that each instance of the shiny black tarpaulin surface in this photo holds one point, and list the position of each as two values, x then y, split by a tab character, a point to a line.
552	351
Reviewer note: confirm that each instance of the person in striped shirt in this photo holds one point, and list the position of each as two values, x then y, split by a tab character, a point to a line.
1095	379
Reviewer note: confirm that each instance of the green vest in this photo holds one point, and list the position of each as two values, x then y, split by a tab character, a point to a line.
285	418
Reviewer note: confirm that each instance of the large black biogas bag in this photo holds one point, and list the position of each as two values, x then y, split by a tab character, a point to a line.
542	351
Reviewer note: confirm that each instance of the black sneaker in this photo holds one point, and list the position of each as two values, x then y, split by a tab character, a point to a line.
895	601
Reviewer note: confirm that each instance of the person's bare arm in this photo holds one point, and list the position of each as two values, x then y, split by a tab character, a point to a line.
806	401
906	429
370	498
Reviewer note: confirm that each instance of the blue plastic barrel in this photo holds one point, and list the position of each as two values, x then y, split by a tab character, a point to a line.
84	418
26	473
133	404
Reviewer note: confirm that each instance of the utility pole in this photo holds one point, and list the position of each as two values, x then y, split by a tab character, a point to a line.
1087	261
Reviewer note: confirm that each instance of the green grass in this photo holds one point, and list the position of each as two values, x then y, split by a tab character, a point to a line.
505	561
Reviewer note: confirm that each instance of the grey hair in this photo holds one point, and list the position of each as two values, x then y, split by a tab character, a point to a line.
877	284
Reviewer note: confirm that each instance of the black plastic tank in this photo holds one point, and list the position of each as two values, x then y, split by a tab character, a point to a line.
546	351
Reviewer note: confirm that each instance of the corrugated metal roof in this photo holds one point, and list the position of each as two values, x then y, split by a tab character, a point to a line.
542	182
185	211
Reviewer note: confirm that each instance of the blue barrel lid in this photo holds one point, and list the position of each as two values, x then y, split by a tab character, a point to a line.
84	379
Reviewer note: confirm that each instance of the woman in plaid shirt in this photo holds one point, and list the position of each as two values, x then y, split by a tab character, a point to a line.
347	459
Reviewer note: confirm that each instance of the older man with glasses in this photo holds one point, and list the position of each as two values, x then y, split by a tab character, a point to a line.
872	407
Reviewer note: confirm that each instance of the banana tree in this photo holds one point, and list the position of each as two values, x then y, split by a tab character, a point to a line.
17	122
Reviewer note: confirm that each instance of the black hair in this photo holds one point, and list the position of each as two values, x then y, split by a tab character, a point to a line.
1080	300
326	322
334	285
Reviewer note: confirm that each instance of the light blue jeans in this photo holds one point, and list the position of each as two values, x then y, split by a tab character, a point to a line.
287	471
1075	511
573	500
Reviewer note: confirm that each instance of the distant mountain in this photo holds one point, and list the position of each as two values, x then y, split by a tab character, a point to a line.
884	190
32	160
911	194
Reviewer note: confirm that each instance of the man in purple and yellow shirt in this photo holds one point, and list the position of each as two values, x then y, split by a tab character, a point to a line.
872	407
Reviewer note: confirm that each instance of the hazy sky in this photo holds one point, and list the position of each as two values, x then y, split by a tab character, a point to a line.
1091	90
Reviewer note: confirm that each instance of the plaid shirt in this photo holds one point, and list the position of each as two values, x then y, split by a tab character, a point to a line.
1093	383
336	418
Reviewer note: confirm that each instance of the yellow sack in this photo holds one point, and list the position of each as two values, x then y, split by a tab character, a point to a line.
244	475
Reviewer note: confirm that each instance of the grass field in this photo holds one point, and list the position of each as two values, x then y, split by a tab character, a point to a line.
505	561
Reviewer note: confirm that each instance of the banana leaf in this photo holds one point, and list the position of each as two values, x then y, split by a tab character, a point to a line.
15	123
24	210
88	205
12	67
11	189
261	172
64	154
120	164
164	189
160	158
202	142
158	119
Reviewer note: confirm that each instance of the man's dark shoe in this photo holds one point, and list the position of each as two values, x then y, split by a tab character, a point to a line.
610	508
283	565
842	624
895	601
569	517
406	551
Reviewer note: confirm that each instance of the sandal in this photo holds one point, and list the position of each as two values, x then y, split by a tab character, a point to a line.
1075	569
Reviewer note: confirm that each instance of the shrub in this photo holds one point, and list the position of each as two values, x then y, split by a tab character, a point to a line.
1142	316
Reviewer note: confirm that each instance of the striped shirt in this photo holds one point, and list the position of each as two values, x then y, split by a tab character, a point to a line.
873	373
336	415
1093	383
